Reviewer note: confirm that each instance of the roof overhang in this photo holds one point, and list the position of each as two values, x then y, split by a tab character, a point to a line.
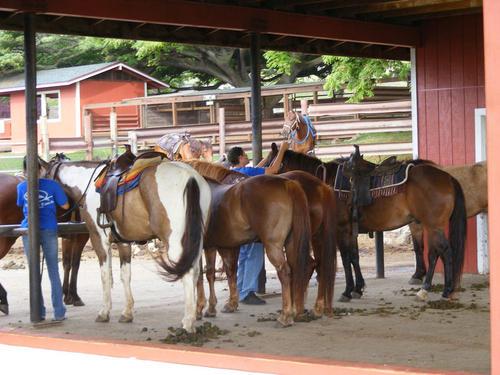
214	24
120	66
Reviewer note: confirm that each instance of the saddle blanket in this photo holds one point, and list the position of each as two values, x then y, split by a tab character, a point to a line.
129	182
384	185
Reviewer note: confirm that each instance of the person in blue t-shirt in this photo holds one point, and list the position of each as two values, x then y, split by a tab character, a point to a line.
50	195
251	258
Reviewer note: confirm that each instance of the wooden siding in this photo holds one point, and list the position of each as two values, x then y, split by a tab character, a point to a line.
450	85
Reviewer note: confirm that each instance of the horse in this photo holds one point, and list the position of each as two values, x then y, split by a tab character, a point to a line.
430	196
270	208
321	203
181	146
473	180
72	244
171	202
299	130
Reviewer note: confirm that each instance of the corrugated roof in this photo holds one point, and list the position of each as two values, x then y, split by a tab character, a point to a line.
67	76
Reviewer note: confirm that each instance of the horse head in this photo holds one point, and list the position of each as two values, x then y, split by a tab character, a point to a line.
292	122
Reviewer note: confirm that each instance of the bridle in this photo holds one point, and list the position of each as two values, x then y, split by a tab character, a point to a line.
53	176
290	128
290	131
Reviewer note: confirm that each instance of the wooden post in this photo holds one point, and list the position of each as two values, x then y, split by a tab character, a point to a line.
286	105
32	166
246	103
303	106
222	131
132	141
174	114
44	133
87	128
315	101
113	130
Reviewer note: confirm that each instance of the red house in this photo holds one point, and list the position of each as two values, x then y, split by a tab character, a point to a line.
62	93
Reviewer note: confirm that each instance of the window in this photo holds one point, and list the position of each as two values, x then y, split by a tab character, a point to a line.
48	105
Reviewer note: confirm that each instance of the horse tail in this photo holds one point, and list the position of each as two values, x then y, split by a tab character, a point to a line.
192	238
301	237
458	231
328	266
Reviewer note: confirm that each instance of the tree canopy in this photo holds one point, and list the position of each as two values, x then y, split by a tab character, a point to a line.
201	67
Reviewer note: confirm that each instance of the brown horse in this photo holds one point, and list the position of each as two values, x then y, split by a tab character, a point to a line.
430	196
171	202
473	180
299	130
181	146
72	245
321	202
269	208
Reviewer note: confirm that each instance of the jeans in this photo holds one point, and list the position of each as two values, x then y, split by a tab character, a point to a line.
250	263
48	242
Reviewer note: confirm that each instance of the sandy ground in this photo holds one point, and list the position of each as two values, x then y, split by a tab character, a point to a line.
386	326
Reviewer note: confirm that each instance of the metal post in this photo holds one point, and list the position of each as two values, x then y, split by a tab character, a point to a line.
222	131
379	251
32	165
256	98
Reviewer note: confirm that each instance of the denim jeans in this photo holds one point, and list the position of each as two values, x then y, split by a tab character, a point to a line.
249	265
48	242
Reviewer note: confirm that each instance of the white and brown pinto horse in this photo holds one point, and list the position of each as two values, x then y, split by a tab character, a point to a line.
171	203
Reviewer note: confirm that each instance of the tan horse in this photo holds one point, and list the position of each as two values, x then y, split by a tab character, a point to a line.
473	179
299	130
270	208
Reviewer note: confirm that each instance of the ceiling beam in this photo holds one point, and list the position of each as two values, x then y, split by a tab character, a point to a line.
224	17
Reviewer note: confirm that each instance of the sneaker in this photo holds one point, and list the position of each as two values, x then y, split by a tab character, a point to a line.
4	307
252	299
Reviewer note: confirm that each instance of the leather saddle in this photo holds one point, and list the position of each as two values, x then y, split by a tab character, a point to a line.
117	171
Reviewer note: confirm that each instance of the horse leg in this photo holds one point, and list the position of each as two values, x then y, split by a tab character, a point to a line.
321	298
66	260
125	252
210	255
230	259
4	304
78	244
432	258
188	280
345	253
360	281
107	281
417	235
201	299
276	257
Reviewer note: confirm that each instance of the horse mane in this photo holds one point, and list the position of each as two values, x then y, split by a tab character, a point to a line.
213	171
421	161
297	160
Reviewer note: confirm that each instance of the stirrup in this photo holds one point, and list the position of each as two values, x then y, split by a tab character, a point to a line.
100	220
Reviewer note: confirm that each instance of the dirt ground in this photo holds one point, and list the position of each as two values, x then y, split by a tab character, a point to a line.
386	326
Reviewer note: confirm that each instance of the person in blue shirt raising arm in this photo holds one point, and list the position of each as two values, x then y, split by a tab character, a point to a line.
50	195
251	257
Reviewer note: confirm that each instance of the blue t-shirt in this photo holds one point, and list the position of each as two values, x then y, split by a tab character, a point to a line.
251	171
50	194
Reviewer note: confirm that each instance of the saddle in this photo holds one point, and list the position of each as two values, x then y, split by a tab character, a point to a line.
120	171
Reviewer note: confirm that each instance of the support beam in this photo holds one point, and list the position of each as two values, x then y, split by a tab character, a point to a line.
214	16
256	99
32	166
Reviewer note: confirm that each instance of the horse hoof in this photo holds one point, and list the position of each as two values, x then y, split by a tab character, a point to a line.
211	314
228	309
4	307
344	298
199	316
102	319
422	295
283	322
78	302
415	281
125	319
356	295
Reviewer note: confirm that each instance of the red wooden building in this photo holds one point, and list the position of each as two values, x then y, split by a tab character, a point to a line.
62	94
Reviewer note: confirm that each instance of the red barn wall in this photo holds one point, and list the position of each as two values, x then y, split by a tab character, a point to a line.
450	85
